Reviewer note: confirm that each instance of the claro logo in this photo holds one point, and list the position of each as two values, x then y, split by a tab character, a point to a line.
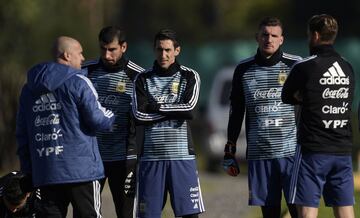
46	102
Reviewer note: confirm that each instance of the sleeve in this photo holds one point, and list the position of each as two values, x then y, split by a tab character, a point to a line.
183	110
144	111
22	136
291	92
95	116
237	107
131	139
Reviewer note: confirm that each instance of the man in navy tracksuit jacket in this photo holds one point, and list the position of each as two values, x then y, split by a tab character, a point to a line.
56	123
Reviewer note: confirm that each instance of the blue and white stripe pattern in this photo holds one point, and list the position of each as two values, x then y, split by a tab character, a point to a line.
271	128
168	139
115	90
192	103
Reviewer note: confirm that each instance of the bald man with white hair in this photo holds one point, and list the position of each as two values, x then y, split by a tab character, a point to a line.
58	116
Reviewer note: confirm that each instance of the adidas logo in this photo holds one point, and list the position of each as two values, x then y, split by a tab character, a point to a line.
46	102
334	76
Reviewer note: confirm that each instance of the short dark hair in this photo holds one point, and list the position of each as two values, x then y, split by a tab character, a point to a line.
109	33
325	25
15	187
270	21
164	34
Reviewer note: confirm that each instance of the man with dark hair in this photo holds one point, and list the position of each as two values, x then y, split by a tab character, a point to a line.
17	199
163	101
270	124
55	129
323	85
113	75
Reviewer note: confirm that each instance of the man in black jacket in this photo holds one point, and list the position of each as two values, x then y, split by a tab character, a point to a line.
323	84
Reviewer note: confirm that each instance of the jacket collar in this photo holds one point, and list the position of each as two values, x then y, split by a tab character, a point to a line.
173	68
119	66
263	61
323	50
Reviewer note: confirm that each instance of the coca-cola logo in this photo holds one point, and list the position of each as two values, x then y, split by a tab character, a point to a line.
52	119
340	93
165	98
109	100
272	93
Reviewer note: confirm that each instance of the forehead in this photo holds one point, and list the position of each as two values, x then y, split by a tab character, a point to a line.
276	30
113	43
77	46
165	44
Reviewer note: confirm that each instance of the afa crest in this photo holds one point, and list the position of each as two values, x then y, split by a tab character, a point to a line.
175	87
282	77
121	87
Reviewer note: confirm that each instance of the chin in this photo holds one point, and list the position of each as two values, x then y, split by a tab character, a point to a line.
109	64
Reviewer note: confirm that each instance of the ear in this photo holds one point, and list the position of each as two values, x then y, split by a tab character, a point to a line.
281	40
123	47
177	51
66	56
317	36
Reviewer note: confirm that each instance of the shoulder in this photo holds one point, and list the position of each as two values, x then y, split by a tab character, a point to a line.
189	73
133	70
347	63
188	70
243	66
245	63
134	67
90	63
143	75
291	56
248	60
82	80
290	59
91	66
82	83
305	61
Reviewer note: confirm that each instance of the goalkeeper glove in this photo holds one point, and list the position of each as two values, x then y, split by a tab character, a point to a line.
230	164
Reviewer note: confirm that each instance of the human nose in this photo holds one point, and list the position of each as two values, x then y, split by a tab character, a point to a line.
163	54
107	55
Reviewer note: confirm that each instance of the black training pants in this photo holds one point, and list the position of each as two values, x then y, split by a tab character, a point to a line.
84	198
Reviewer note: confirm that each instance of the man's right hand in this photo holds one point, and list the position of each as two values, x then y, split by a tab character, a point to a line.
229	163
